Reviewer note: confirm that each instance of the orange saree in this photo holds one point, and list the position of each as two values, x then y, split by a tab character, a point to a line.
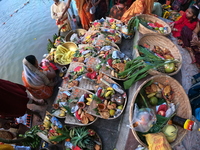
138	7
39	92
85	15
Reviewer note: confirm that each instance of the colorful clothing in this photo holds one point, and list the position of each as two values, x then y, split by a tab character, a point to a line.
56	12
84	14
36	81
183	21
117	12
186	37
13	99
138	7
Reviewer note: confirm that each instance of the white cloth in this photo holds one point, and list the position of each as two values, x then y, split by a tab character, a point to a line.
57	10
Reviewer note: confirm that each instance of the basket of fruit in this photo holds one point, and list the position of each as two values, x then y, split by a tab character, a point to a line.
164	96
149	24
72	105
164	49
109	100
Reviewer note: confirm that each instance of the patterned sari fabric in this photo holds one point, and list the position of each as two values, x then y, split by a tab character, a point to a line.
117	12
138	7
36	81
40	92
13	99
84	14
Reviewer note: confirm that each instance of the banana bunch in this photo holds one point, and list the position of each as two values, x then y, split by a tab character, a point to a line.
62	112
107	92
89	99
47	122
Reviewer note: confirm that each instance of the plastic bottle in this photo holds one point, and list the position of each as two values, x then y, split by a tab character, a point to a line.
185	123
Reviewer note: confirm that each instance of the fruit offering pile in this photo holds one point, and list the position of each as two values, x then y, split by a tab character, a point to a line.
49	128
74	103
164	54
159	98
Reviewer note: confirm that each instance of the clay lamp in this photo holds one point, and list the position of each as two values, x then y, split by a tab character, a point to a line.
81	104
101	107
90	70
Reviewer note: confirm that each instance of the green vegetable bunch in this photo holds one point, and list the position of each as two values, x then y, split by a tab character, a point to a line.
138	68
63	134
32	139
80	137
133	23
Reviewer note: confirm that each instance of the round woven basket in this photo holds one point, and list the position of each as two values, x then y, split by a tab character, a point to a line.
144	30
70	45
180	98
161	41
78	31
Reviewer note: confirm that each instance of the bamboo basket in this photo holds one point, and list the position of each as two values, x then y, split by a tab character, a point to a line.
78	31
93	104
180	98
71	47
96	137
159	40
85	84
77	92
144	30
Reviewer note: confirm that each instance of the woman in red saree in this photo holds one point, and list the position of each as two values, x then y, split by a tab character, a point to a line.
14	100
138	7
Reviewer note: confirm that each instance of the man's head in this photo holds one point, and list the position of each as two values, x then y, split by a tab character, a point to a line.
56	1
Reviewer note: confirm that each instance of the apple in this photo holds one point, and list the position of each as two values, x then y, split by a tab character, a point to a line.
162	113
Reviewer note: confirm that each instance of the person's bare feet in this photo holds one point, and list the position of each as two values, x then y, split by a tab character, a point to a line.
40	102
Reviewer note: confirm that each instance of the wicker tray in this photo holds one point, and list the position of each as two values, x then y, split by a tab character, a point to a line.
159	40
144	30
77	93
180	97
93	104
85	84
78	31
70	46
96	138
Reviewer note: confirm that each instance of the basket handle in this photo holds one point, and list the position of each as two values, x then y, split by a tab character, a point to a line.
61	28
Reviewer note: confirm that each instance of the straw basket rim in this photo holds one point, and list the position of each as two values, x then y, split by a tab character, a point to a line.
69	45
188	113
144	30
174	49
78	31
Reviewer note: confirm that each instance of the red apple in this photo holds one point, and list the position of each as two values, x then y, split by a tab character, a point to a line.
162	113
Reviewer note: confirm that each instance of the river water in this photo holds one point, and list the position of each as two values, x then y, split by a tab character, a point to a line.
24	28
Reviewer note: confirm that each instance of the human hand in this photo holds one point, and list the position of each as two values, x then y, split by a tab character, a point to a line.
47	63
171	25
194	37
